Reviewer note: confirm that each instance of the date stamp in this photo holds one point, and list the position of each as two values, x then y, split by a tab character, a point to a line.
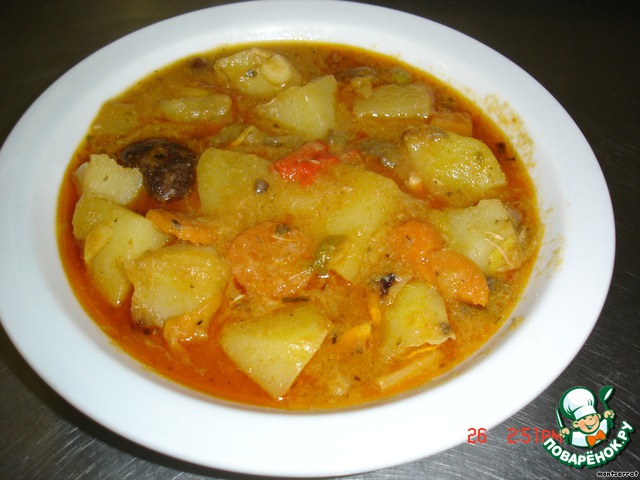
524	435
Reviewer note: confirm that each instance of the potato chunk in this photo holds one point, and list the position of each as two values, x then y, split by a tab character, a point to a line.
257	72
102	176
179	280
236	188
395	101
113	236
211	107
226	178
357	210
274	349
309	110
462	169
486	233
416	316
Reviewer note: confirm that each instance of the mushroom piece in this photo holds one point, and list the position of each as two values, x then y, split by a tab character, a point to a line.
168	168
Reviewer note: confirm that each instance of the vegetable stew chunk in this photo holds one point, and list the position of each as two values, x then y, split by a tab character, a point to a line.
168	168
309	110
274	349
113	236
460	169
417	316
227	182
458	278
197	108
272	259
102	176
395	101
486	233
257	72
178	288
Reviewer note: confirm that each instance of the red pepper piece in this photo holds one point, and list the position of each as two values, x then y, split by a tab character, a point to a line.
303	164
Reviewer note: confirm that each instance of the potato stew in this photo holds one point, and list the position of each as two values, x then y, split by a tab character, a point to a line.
296	225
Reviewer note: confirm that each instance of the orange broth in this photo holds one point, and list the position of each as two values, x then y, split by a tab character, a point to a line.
203	365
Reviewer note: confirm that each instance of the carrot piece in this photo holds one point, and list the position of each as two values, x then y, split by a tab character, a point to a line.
303	164
411	241
272	260
457	277
420	246
183	226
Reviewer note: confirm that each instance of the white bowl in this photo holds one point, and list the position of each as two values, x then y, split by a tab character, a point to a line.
43	318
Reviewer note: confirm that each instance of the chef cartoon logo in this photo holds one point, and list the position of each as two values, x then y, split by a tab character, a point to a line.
589	427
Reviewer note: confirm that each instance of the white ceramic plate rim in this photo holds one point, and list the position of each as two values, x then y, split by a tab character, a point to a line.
51	331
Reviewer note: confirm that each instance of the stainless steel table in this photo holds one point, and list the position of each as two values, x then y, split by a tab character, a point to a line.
587	54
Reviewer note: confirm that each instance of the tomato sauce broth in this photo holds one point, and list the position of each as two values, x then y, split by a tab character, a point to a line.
204	366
